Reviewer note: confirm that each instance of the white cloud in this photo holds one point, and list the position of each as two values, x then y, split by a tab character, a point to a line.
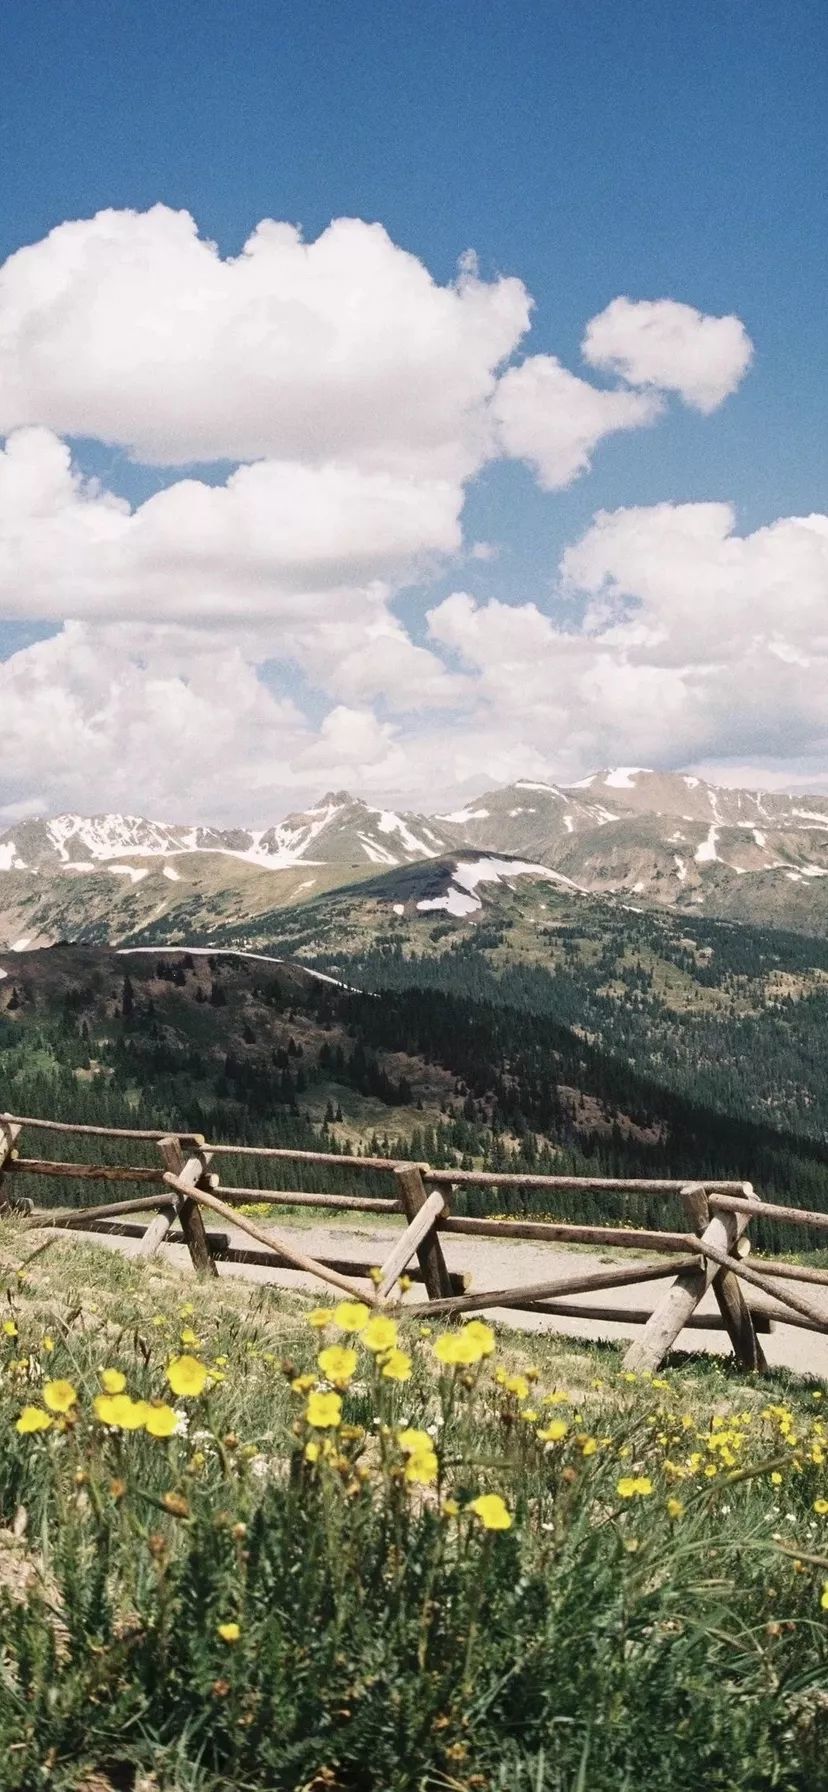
694	590
697	646
131	328
661	343
274	533
360	397
124	719
553	420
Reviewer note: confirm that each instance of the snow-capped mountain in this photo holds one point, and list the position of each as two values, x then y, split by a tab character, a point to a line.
340	829
646	837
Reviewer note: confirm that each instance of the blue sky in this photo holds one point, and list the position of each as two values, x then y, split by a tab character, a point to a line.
659	149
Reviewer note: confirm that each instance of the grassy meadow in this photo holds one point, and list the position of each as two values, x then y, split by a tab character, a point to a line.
254	1544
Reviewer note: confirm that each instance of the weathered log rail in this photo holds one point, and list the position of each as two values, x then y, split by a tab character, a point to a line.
183	1189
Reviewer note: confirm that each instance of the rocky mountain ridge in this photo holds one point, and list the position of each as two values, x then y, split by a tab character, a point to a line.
645	837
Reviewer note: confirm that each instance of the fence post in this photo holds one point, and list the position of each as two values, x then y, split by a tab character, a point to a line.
183	1207
671	1314
8	1135
730	1298
416	1233
412	1197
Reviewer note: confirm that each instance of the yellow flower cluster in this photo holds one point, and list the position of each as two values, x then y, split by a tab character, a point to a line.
114	1407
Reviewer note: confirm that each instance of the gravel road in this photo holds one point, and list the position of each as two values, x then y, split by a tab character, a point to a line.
511	1262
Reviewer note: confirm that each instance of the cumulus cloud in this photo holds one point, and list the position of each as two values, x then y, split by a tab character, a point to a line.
154	719
554	421
274	532
697	645
132	328
694	645
671	346
354	398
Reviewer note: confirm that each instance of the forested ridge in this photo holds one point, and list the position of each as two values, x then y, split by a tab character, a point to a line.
449	1058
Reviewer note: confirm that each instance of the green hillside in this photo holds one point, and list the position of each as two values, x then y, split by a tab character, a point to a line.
608	1061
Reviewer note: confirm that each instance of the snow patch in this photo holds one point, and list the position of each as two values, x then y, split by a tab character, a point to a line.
21	945
129	871
460	898
461	815
681	868
706	852
236	952
623	777
399	908
389	823
378	855
173	875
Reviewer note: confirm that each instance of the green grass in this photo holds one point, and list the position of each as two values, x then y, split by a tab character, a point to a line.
604	1642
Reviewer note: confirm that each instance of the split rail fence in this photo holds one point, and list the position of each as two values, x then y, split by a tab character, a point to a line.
709	1248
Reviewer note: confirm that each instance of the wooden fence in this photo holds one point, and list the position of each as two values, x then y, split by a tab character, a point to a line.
708	1249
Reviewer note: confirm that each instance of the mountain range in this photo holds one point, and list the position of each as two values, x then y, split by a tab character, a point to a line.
645	838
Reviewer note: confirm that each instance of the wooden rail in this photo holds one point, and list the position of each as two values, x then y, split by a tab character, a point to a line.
709	1251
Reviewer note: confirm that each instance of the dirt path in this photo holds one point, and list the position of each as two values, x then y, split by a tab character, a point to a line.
499	1263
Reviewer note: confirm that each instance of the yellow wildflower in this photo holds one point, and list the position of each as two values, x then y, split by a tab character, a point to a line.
320	1317
478	1329
675	1507
59	1396
824	1600
187	1376
379	1333
33	1418
302	1384
375	1274
337	1363
450	1508
160	1421
517	1385
492	1511
529	1415
556	1398
229	1633
776	1478
396	1366
10	1328
411	1441
554	1431
112	1381
458	1349
48	1344
821	1506
421	1467
351	1315
632	1487
189	1338
323	1411
121	1412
